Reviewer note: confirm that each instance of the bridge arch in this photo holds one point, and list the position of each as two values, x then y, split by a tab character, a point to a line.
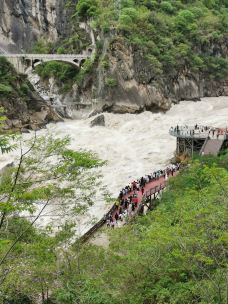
24	61
74	63
35	62
77	61
82	61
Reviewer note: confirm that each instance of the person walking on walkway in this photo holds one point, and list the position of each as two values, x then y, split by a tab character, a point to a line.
116	216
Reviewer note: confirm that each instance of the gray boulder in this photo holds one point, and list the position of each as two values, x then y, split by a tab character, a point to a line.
98	121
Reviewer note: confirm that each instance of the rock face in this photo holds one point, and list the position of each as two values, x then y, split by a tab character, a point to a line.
27	111
98	121
135	86
121	81
32	113
23	21
129	85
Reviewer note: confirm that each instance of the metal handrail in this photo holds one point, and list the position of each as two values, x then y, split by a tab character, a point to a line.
102	221
192	132
188	135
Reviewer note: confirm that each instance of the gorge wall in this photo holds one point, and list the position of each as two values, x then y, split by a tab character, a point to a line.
22	22
146	56
122	81
23	107
131	84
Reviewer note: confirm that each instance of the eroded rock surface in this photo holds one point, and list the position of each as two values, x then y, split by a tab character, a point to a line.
23	21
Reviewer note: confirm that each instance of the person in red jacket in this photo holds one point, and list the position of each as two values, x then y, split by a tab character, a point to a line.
135	201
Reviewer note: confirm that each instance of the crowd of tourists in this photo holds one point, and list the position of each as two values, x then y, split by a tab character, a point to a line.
204	131
128	200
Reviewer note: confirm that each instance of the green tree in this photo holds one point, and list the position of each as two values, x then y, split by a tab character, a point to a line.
5	145
175	254
87	8
47	174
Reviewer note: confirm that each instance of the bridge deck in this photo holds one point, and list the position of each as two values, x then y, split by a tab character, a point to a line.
46	56
151	188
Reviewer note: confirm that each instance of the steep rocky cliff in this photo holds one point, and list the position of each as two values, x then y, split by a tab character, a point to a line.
22	22
149	54
23	107
123	81
129	83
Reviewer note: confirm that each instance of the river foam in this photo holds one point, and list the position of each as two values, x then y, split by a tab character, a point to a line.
135	144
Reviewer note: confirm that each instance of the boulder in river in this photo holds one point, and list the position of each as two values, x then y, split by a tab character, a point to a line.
98	121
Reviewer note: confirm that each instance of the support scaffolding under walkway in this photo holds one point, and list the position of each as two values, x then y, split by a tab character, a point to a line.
201	140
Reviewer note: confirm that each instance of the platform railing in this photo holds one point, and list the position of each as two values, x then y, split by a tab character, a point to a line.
201	132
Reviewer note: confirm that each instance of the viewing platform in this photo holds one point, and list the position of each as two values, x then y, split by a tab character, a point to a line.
203	140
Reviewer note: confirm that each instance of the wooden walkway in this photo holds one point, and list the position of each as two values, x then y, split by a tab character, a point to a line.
151	190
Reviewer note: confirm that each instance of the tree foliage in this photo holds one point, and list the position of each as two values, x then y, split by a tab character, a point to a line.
5	145
159	28
176	254
48	178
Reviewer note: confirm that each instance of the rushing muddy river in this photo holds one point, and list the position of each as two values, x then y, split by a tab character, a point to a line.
135	144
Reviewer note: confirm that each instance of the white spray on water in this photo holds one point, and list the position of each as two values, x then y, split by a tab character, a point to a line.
135	144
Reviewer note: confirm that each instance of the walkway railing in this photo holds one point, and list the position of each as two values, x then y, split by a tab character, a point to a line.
199	132
148	194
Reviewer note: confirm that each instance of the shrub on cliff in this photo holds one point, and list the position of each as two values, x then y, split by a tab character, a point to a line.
59	70
161	28
12	84
5	89
87	8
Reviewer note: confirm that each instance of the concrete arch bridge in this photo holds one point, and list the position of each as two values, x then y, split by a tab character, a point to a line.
25	62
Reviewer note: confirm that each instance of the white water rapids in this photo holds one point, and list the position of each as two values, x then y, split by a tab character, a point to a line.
135	144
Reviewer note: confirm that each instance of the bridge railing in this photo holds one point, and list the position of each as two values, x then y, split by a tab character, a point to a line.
63	56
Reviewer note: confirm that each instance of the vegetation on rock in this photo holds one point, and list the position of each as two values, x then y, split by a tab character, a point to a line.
171	35
11	84
164	39
64	73
17	96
